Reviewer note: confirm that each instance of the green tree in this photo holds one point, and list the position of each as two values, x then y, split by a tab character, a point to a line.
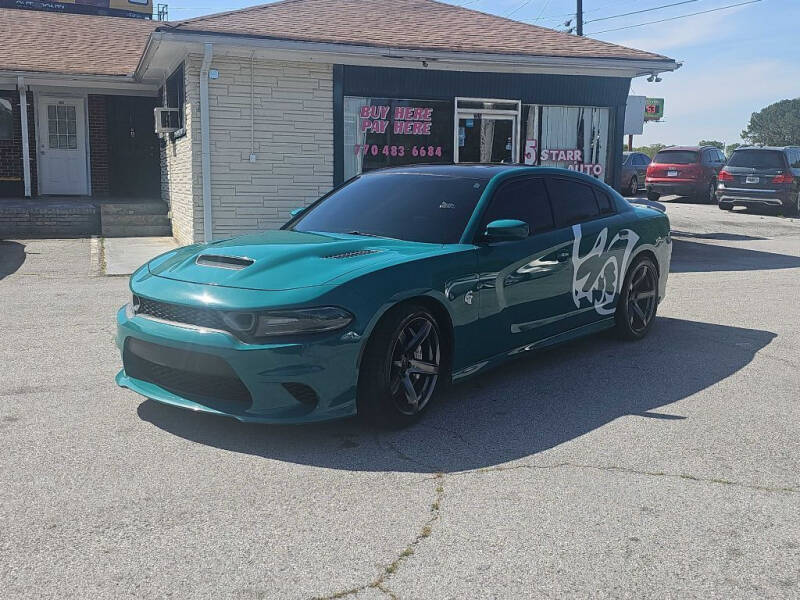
650	150
776	125
731	148
714	143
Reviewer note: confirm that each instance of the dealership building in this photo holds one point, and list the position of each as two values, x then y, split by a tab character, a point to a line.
262	110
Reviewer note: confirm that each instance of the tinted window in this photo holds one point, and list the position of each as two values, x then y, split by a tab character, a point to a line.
628	159
676	157
794	158
641	160
757	159
604	201
720	156
523	199
419	207
572	202
6	120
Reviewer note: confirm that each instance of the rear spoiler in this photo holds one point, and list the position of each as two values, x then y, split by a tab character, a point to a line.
648	203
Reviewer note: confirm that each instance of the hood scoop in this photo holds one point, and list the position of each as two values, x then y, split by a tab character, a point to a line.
352	254
235	263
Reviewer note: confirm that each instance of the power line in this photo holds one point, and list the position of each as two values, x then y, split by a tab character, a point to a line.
636	12
520	7
702	12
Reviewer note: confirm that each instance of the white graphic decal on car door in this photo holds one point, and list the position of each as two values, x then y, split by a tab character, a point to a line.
600	285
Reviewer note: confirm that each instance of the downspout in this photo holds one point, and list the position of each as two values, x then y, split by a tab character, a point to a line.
26	151
205	149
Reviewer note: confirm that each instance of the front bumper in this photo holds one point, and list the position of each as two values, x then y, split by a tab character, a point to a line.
211	371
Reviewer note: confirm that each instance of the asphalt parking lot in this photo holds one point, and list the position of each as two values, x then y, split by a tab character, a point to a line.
665	468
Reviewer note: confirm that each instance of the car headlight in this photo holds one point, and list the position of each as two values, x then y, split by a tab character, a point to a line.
288	322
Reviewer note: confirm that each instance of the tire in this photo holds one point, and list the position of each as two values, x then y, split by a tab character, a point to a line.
404	358
794	211
653	196
633	187
725	206
707	195
641	279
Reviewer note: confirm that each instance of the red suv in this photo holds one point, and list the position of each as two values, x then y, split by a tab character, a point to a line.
685	171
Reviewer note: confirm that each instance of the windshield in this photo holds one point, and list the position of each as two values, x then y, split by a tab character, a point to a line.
676	157
418	207
757	159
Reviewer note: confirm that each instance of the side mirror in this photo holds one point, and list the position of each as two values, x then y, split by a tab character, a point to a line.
297	211
506	230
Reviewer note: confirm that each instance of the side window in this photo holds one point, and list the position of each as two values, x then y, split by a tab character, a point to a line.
720	156
6	120
176	97
640	160
523	199
572	202
794	158
707	157
604	202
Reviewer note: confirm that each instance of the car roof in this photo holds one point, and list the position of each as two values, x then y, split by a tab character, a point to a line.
687	148
484	171
475	170
772	148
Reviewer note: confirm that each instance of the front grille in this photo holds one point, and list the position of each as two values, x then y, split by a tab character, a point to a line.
302	393
197	376
177	313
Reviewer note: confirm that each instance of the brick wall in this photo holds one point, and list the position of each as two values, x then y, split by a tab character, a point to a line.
11	173
65	219
181	186
98	145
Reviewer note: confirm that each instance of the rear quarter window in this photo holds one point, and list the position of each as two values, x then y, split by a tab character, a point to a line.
573	202
676	157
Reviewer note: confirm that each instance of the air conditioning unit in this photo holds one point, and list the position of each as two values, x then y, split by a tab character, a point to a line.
164	119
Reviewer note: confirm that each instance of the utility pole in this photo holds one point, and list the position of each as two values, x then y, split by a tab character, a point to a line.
579	18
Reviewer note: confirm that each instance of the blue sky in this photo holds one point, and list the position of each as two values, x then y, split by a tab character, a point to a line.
736	61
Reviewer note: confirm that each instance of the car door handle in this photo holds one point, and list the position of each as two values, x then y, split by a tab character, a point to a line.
563	256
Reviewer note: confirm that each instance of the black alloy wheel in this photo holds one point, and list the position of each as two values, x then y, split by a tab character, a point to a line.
402	367
414	368
638	302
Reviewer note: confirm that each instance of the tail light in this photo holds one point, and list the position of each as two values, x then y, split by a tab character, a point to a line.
783	178
724	176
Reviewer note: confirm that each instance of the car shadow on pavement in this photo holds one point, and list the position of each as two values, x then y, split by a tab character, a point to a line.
512	412
12	255
697	257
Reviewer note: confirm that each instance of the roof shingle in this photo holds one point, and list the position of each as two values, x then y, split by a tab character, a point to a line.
406	24
77	44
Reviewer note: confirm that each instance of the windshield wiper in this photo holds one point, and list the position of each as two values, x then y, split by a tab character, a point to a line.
366	234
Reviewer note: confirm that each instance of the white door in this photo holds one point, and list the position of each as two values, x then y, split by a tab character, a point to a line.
62	146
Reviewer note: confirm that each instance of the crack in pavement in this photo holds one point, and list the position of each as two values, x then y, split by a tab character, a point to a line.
379	583
629	470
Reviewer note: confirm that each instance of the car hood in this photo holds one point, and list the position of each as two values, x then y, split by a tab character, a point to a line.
283	260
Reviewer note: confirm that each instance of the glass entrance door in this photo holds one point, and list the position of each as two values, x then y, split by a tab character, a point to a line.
485	139
487	131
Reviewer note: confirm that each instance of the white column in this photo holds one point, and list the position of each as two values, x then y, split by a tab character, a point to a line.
205	144
26	151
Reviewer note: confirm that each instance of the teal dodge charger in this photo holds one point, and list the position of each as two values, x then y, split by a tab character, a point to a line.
389	288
